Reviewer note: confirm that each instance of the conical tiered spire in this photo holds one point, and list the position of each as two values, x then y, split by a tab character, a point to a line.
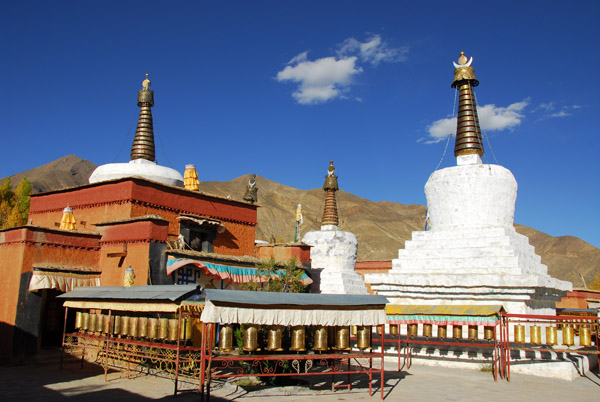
330	212
143	143
468	132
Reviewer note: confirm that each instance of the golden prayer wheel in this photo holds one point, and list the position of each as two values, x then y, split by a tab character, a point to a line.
379	330
320	341
92	323
133	326
413	329
250	338
163	328
535	334
85	321
107	324
473	330
363	338
124	325
226	338
173	323
187	329
274	338
298	335
79	320
354	330
442	331
551	336
457	331
117	325
342	338
568	335
520	333
394	329
427	330
489	333
585	336
99	322
143	327
152	328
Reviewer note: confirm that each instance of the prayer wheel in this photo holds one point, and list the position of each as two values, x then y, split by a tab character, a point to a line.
427	330
79	320
394	329
568	335
342	338
379	330
489	333
124	325
535	334
298	334
92	323
173	323
274	338
85	321
99	322
226	338
187	329
250	338
353	330
107	324
442	331
163	328
363	338
551	336
152	328
585	336
117	325
473	330
134	326
520	333
320	340
143	327
457	331
413	329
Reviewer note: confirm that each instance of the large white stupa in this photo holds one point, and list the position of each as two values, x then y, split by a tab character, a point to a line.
333	252
471	254
143	162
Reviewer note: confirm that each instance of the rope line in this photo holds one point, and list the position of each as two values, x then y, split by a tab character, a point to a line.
449	135
126	137
161	143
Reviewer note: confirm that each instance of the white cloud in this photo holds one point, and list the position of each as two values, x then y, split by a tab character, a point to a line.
320	80
562	113
491	118
373	51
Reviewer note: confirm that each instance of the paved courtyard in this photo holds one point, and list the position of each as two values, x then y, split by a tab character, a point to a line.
41	380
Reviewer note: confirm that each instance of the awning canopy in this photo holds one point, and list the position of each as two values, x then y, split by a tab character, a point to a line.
273	308
443	315
230	273
204	221
62	279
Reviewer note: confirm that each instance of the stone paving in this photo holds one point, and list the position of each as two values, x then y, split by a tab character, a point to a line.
41	380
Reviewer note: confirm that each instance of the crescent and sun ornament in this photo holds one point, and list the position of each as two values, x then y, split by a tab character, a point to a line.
467	64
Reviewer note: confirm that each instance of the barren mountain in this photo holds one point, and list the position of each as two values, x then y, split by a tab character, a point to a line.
381	227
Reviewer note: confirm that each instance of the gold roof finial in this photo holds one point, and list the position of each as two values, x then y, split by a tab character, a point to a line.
330	212
143	142
468	132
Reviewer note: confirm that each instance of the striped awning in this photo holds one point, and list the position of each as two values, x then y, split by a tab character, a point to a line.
62	279
230	273
443	315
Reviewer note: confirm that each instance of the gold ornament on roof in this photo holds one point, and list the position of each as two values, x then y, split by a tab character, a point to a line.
463	71
143	142
67	221
330	212
190	178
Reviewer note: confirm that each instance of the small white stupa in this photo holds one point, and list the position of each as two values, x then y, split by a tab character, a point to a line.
471	254
143	162
333	252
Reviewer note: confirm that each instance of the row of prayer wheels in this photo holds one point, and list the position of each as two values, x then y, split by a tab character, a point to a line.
325	338
135	327
568	335
442	331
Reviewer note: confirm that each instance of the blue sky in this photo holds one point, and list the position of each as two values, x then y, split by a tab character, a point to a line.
280	88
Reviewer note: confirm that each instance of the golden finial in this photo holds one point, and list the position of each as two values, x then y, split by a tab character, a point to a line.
464	72
146	83
468	132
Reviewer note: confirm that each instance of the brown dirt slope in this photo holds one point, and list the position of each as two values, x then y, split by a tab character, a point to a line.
381	227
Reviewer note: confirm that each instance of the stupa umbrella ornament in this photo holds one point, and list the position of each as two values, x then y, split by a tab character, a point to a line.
468	131
68	221
190	178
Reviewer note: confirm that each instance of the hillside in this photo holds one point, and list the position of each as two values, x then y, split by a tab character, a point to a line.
381	227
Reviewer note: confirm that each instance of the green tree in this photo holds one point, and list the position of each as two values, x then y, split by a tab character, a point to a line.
274	277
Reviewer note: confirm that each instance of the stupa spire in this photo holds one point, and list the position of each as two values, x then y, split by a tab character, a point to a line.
330	212
468	132
143	142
